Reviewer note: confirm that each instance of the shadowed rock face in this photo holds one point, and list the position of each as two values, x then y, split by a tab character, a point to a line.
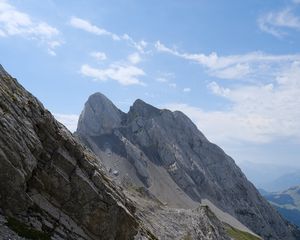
50	181
166	153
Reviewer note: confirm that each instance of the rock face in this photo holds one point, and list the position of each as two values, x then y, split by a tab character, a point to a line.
98	122
49	181
164	152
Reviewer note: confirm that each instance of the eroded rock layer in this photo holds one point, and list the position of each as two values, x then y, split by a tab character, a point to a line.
48	180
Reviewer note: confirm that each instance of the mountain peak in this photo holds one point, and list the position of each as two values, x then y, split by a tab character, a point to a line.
99	115
142	109
98	97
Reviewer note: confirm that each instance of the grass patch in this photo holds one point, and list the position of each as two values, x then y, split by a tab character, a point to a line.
240	235
187	237
25	231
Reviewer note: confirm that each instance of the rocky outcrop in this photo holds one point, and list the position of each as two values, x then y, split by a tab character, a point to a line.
50	185
178	224
164	152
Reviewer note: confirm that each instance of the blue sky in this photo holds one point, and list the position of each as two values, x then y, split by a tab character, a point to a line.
232	66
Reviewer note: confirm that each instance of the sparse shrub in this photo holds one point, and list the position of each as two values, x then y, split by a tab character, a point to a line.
25	231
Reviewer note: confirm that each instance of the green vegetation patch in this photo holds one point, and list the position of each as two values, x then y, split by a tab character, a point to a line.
240	235
25	231
187	237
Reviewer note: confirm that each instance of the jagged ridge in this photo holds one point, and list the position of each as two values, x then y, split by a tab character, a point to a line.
166	153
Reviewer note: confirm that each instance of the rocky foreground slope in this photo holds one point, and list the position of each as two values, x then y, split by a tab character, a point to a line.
165	154
50	185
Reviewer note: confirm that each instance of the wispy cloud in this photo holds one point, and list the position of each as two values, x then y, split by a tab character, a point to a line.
16	23
122	73
138	45
276	23
258	113
244	66
186	90
236	71
87	26
99	56
216	89
69	120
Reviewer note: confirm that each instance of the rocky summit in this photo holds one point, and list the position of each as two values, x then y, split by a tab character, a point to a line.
163	154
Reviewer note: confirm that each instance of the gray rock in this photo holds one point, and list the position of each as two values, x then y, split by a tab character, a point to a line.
49	181
100	116
170	157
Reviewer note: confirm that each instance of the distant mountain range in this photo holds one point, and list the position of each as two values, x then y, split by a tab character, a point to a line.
285	181
270	177
287	202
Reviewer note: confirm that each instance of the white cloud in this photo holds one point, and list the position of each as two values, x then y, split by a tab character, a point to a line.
69	120
85	25
186	90
122	73
296	1
245	66
99	56
88	27
17	23
275	22
237	71
258	113
134	58
216	89
140	46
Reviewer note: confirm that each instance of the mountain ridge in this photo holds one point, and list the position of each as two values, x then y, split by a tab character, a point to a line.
194	168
